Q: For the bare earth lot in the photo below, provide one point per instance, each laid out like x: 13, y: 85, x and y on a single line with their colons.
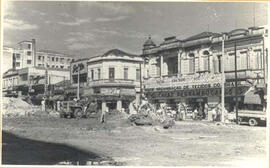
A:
x: 44, y: 140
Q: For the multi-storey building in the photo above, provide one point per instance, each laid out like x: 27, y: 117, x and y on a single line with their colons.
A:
x: 113, y: 79
x: 32, y: 80
x: 25, y: 54
x: 23, y: 65
x: 52, y: 59
x: 187, y: 73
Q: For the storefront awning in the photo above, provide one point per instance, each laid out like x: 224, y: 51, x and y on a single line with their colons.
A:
x: 252, y: 98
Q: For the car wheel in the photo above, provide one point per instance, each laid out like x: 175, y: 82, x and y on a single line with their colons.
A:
x: 78, y: 113
x: 252, y: 122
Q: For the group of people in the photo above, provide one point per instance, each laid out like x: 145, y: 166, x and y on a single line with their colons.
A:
x: 56, y: 105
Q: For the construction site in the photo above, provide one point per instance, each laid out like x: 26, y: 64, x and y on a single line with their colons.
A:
x: 145, y: 139
x: 122, y: 84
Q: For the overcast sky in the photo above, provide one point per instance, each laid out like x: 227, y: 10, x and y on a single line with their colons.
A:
x: 91, y: 28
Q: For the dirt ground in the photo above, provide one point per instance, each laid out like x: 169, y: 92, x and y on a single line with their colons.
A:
x: 50, y: 140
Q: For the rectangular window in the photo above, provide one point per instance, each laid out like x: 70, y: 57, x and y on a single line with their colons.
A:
x: 242, y: 60
x: 92, y: 74
x: 18, y: 56
x: 29, y: 53
x: 29, y: 46
x: 138, y: 74
x: 125, y: 73
x: 111, y: 73
x: 52, y: 66
x: 24, y: 77
x: 17, y: 64
x: 62, y: 67
x: 99, y: 74
x: 52, y: 58
x: 205, y: 66
x: 56, y: 59
x: 191, y: 66
x: 29, y: 61
x: 39, y: 57
x: 48, y: 66
x: 258, y: 60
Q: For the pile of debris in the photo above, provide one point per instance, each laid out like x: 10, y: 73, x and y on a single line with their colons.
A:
x: 147, y: 115
x: 14, y: 107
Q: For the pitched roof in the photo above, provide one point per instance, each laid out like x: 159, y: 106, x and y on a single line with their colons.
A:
x: 202, y: 35
x: 118, y: 52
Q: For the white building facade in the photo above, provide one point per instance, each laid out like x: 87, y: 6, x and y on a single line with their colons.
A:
x: 113, y: 79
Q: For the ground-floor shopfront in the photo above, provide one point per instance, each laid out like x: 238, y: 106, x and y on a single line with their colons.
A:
x: 203, y: 97
x: 112, y: 97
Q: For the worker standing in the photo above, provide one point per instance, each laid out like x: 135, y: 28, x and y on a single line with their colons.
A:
x: 43, y: 104
x: 102, y: 119
x: 58, y: 105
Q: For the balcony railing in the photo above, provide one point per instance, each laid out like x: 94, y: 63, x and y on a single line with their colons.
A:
x: 244, y: 74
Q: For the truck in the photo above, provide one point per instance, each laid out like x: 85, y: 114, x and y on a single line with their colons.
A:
x: 252, y: 117
x: 74, y: 109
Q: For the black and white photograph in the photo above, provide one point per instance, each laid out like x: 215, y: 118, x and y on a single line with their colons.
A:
x: 134, y: 83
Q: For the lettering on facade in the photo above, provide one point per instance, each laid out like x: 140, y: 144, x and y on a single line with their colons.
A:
x: 194, y: 93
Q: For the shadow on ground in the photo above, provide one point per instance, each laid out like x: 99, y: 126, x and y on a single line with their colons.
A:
x: 21, y: 151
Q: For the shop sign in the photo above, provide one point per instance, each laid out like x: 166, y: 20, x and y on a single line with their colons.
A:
x: 80, y: 67
x: 194, y: 81
x: 195, y: 93
x: 110, y: 91
x: 124, y: 91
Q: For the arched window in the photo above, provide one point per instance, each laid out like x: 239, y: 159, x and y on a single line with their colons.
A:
x: 205, y: 52
x: 191, y: 58
x: 205, y: 61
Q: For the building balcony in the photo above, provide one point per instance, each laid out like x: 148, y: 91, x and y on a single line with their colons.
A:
x: 112, y: 82
x: 245, y: 74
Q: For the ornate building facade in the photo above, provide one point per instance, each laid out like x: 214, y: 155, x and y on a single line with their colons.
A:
x: 188, y: 71
x: 113, y: 79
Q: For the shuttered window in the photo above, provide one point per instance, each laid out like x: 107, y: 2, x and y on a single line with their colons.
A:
x: 258, y: 59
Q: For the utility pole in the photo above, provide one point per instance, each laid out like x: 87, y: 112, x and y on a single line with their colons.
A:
x: 140, y: 83
x: 78, y: 86
x: 46, y: 82
x: 236, y: 85
x: 222, y: 82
